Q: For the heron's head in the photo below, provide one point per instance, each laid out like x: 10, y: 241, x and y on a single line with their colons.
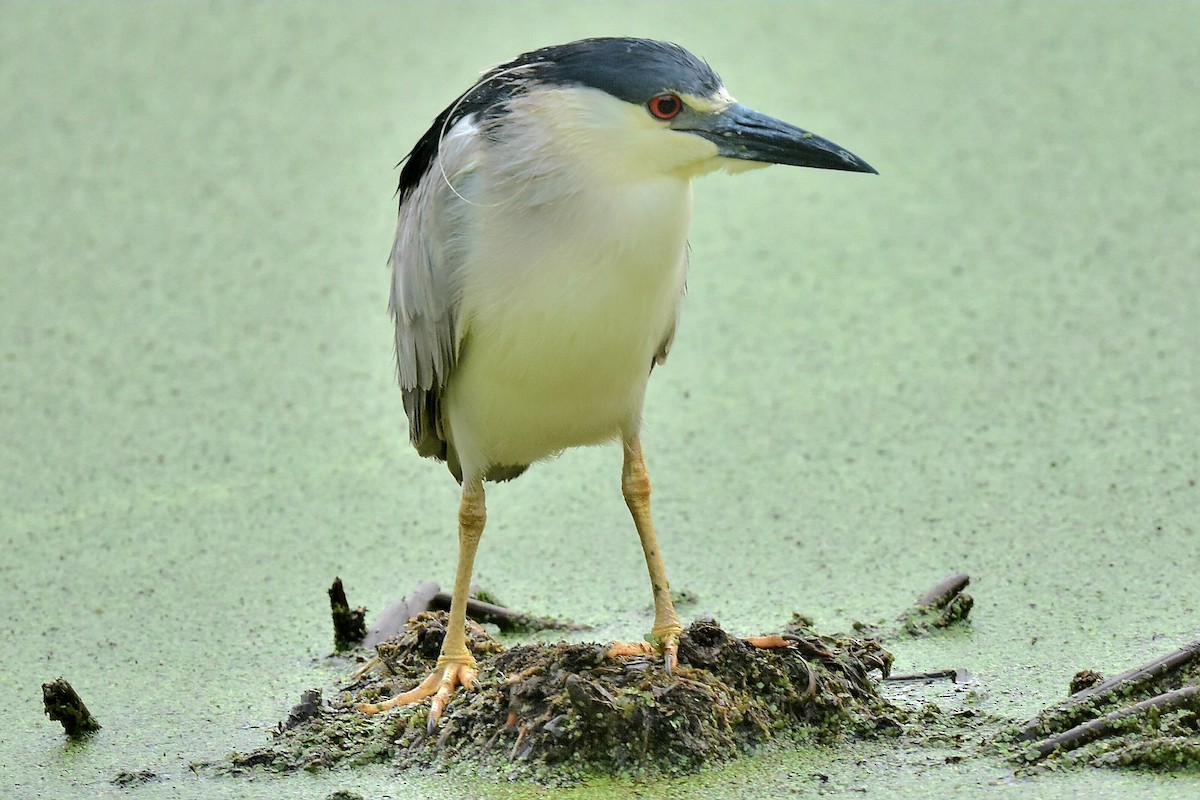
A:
x: 637, y: 107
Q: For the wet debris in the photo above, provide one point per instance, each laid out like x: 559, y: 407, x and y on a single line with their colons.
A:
x: 1084, y: 679
x: 349, y: 624
x: 1147, y: 717
x: 126, y: 778
x: 481, y: 607
x: 943, y: 606
x: 308, y: 707
x: 415, y: 650
x: 559, y: 712
x: 63, y: 705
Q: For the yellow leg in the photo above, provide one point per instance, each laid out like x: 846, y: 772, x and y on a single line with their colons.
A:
x: 455, y: 666
x: 635, y: 485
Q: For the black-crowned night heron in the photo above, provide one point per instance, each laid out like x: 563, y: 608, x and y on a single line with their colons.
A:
x: 538, y: 270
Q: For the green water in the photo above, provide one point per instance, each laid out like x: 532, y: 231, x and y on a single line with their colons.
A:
x: 986, y: 359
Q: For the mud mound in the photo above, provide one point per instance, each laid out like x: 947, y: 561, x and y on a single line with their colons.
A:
x: 558, y: 712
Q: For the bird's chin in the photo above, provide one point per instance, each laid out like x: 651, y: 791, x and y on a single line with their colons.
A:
x: 707, y: 166
x: 735, y: 165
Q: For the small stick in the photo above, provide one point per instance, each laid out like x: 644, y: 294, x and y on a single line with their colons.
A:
x: 1103, y: 726
x: 504, y: 618
x: 935, y: 675
x: 1148, y: 671
x: 393, y: 618
x: 1138, y: 675
x: 945, y: 591
x: 429, y: 597
x: 64, y: 705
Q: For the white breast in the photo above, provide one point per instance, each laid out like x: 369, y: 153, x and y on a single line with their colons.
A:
x: 562, y: 319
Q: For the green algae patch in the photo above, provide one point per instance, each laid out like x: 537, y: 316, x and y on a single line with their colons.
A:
x: 558, y: 713
x: 1147, y: 717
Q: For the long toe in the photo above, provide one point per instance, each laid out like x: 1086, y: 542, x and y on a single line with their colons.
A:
x: 670, y: 651
x: 768, y: 641
x: 666, y: 642
x: 453, y: 675
x: 622, y: 649
x: 427, y: 688
x: 440, y: 684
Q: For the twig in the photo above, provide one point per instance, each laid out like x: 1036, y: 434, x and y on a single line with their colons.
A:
x: 393, y: 618
x: 1109, y: 724
x: 935, y: 675
x: 1184, y: 656
x: 430, y: 597
x: 504, y: 618
x: 945, y: 591
x: 1146, y: 672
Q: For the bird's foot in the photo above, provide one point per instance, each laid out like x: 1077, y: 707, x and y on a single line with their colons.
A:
x: 448, y: 675
x: 663, y: 640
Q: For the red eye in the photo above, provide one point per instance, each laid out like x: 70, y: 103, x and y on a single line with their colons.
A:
x: 665, y: 106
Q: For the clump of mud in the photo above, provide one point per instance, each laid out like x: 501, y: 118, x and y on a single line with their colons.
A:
x: 64, y: 705
x: 559, y: 712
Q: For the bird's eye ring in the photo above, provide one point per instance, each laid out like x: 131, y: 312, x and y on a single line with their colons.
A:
x: 665, y: 106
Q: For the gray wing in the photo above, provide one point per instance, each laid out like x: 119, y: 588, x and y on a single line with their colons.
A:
x: 427, y: 257
x: 660, y: 356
